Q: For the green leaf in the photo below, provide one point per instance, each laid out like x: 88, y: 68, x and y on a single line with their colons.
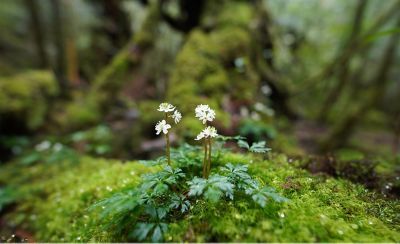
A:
x: 261, y: 196
x: 30, y: 158
x: 141, y: 230
x: 213, y: 194
x: 179, y: 201
x: 7, y: 196
x: 197, y: 186
x: 259, y: 147
x: 212, y: 188
x: 157, y: 234
x: 243, y: 144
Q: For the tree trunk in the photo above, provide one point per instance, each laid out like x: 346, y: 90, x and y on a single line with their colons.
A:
x: 396, y: 141
x: 119, y: 28
x: 280, y: 95
x: 343, y: 69
x: 340, y: 135
x: 72, y: 61
x: 59, y: 44
x: 357, y: 45
x: 37, y: 30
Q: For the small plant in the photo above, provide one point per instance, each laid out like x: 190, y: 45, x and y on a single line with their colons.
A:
x: 166, y: 196
x: 229, y: 180
x: 256, y: 147
x: 205, y: 114
x: 7, y: 196
x: 163, y: 126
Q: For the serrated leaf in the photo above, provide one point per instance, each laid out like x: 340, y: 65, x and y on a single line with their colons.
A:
x: 213, y: 194
x: 259, y: 147
x: 157, y: 234
x: 179, y: 201
x: 212, y: 188
x: 260, y: 198
x: 243, y: 144
x: 197, y: 186
x: 142, y: 230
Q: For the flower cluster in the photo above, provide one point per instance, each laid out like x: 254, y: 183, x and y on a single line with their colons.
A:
x: 204, y: 113
x: 163, y: 126
x: 166, y: 107
x: 208, y: 132
x: 177, y: 116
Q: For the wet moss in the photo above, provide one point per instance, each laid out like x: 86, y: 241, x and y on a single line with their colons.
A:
x: 54, y: 200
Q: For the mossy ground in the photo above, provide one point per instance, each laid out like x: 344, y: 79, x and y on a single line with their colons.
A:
x: 52, y: 202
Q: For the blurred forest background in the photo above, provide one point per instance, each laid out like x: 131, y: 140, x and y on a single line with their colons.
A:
x: 318, y: 80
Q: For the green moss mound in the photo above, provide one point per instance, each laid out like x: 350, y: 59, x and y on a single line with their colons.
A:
x: 25, y: 97
x: 53, y: 202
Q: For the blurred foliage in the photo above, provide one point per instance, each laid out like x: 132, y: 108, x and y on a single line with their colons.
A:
x: 26, y: 97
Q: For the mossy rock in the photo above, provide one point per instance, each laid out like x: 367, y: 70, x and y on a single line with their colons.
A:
x: 54, y: 200
x: 25, y: 97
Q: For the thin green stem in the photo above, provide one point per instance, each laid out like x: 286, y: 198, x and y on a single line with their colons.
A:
x: 209, y: 157
x: 205, y: 159
x: 167, y: 141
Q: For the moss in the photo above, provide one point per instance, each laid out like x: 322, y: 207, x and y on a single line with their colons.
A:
x: 82, y: 111
x: 25, y: 96
x: 238, y: 14
x: 53, y: 199
x: 321, y: 209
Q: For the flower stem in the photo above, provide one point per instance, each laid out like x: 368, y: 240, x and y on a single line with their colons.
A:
x: 205, y: 159
x: 209, y: 157
x: 167, y: 141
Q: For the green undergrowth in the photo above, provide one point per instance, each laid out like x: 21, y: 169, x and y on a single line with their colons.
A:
x: 55, y: 203
x: 25, y: 97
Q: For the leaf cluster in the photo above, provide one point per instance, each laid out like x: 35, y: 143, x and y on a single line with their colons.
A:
x: 231, y: 180
x: 147, y: 208
x: 256, y: 147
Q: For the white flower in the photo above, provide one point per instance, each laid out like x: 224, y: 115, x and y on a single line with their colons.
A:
x: 200, y: 136
x: 204, y: 113
x: 202, y: 108
x: 177, y: 116
x: 43, y: 146
x: 57, y: 147
x: 209, y: 131
x: 162, y: 126
x: 166, y: 107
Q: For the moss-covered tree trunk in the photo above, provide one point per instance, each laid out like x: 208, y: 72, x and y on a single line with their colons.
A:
x: 110, y: 80
x: 340, y: 134
x: 38, y: 33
